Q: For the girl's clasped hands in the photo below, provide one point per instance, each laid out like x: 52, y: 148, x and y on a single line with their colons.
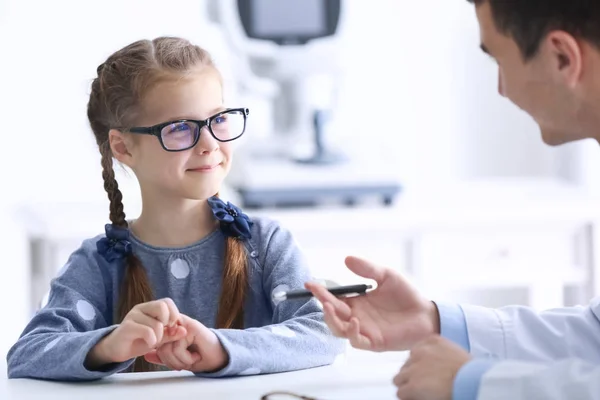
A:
x: 164, y: 336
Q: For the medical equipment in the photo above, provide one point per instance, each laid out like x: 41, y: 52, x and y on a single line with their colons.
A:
x: 288, y: 52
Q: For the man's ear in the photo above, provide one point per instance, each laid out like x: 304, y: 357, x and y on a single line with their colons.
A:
x: 120, y: 146
x: 567, y: 56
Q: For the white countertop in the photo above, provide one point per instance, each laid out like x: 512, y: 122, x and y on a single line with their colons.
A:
x: 371, y: 379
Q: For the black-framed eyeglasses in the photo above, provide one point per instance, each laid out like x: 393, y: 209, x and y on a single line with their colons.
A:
x: 285, y: 396
x: 184, y: 134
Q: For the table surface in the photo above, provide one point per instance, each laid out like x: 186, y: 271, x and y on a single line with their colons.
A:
x: 346, y: 380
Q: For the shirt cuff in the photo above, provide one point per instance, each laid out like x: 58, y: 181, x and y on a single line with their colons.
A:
x: 468, y: 380
x: 453, y: 325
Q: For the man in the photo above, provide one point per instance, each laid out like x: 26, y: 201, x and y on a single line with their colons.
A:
x: 548, y: 56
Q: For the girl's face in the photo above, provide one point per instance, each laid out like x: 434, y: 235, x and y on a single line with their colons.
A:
x: 195, y: 173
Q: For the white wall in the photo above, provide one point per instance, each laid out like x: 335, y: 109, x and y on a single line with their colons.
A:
x: 433, y: 97
x: 54, y: 49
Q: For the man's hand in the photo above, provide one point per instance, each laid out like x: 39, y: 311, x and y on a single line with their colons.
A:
x: 199, y: 351
x: 392, y: 317
x: 430, y: 370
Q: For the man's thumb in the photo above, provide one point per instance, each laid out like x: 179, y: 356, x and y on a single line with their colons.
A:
x: 365, y: 268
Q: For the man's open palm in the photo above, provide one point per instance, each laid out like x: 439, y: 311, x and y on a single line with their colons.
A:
x: 394, y: 316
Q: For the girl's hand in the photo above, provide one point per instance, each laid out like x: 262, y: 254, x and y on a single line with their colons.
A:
x: 146, y: 327
x: 199, y: 351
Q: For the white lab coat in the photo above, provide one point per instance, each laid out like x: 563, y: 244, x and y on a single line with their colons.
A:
x: 550, y: 355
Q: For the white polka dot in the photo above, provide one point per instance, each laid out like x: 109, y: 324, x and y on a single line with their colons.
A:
x: 250, y: 371
x: 52, y: 343
x: 278, y: 289
x: 85, y: 310
x: 282, y: 331
x: 180, y: 268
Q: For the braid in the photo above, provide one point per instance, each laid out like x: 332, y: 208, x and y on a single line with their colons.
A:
x: 135, y: 287
x: 117, y: 215
x: 235, y: 282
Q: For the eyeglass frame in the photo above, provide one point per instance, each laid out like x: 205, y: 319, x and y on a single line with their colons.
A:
x: 155, y: 130
x: 285, y: 393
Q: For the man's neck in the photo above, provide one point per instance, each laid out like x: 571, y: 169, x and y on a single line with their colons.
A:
x: 593, y: 108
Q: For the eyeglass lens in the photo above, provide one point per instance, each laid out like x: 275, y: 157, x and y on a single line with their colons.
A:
x: 182, y: 135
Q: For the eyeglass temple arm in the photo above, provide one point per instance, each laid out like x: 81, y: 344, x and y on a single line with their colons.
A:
x: 266, y: 396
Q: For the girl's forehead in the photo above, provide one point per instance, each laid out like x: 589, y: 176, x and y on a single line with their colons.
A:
x: 194, y: 96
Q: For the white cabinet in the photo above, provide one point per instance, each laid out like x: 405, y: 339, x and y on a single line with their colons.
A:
x: 542, y: 259
x: 537, y: 237
x: 488, y: 237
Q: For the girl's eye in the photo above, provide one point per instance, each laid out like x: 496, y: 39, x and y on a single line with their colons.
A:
x: 220, y: 119
x: 179, y: 128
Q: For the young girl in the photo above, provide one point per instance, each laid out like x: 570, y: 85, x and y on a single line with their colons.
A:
x: 157, y: 107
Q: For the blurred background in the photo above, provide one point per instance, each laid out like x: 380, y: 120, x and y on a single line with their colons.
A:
x: 375, y: 130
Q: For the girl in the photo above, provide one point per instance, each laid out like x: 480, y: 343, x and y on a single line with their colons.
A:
x: 157, y: 107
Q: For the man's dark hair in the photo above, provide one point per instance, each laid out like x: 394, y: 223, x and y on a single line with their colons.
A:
x: 529, y: 21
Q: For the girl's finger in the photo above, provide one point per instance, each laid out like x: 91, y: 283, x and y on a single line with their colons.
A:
x: 154, y: 324
x: 180, y: 350
x: 166, y: 355
x: 153, y: 358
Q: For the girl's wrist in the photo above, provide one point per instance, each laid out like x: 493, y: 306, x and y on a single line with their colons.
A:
x: 98, y: 357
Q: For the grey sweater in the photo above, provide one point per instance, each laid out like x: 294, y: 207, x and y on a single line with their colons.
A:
x: 280, y: 337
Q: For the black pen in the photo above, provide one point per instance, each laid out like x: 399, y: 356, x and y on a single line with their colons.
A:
x: 336, y: 291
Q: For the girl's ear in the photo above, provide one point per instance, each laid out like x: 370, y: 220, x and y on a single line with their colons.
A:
x: 120, y: 146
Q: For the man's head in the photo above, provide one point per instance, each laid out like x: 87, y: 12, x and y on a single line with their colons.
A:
x: 548, y: 55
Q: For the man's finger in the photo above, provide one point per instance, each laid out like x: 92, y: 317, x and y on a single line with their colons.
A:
x: 325, y: 296
x: 336, y: 325
x: 405, y: 392
x: 358, y: 340
x: 410, y: 361
x: 402, y: 377
x: 365, y: 268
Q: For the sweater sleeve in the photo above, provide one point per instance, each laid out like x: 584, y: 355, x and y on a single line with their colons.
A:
x: 297, y: 337
x: 55, y: 343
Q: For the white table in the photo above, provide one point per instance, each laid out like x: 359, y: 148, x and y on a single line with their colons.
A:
x: 344, y: 381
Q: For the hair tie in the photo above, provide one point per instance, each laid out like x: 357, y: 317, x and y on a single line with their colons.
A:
x: 232, y: 220
x: 116, y: 244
